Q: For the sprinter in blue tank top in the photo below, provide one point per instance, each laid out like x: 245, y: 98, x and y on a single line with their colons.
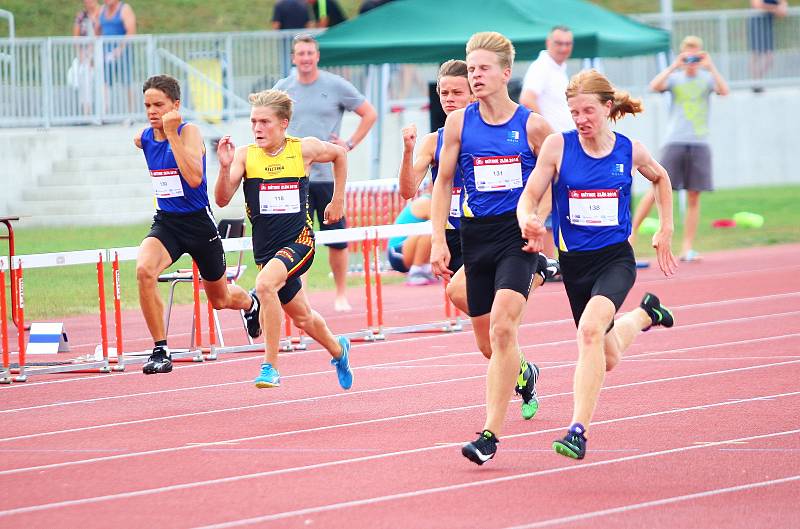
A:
x: 493, y: 143
x: 591, y: 171
x: 183, y: 222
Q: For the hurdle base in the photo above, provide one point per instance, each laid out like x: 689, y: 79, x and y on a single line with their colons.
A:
x: 83, y: 367
x: 439, y: 326
x: 5, y: 377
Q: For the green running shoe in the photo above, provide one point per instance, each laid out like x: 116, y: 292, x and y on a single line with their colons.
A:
x: 659, y: 314
x: 526, y: 388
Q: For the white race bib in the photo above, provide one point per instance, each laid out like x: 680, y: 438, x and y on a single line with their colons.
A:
x: 167, y: 183
x: 497, y: 173
x: 455, y: 202
x: 594, y: 207
x: 279, y: 199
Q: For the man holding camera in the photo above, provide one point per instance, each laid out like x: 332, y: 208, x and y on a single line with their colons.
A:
x: 686, y: 156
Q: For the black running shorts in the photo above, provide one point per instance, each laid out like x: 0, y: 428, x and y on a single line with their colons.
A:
x: 297, y: 258
x: 494, y: 260
x: 193, y: 233
x: 453, y: 239
x: 319, y: 196
x: 608, y: 272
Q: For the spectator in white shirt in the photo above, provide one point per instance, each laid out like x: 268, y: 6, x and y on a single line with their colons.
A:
x: 544, y: 91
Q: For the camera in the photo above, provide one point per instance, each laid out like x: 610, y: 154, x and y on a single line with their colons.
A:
x: 691, y: 59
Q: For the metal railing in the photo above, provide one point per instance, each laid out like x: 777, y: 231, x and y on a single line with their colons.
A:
x: 67, y: 81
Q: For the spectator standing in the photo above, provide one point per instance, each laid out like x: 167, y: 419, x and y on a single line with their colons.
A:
x: 690, y: 79
x: 320, y: 100
x: 761, y: 36
x: 118, y: 19
x: 85, y: 25
x: 543, y: 91
x: 291, y: 14
x: 327, y: 13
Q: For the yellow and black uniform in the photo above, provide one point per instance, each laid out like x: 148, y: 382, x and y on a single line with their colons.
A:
x: 276, y: 196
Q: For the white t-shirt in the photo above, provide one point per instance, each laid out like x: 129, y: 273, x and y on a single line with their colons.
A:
x: 548, y: 80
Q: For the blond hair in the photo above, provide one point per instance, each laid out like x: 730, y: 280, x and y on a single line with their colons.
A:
x: 452, y: 68
x: 494, y: 42
x: 593, y: 82
x: 278, y: 100
x: 691, y: 41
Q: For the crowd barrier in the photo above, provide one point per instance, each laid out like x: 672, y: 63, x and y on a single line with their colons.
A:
x: 370, y: 239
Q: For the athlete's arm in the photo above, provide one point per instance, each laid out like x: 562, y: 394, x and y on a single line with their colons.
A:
x: 442, y: 192
x: 317, y: 151
x: 528, y: 99
x: 187, y: 147
x: 413, y: 171
x: 137, y: 140
x: 538, y: 130
x: 231, y: 170
x: 662, y: 189
x: 540, y: 180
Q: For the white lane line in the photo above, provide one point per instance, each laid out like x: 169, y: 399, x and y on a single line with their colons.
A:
x: 317, y: 466
x: 405, y: 386
x: 466, y: 331
x: 655, y: 503
x: 342, y: 425
x: 468, y: 485
x: 524, y: 347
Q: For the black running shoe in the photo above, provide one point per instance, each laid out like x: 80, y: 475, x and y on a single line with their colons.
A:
x: 159, y: 361
x: 659, y: 314
x: 482, y: 449
x: 526, y: 388
x: 573, y: 444
x: 549, y: 269
x: 251, y: 317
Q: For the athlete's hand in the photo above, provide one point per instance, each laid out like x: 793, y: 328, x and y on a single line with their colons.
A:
x: 171, y: 120
x: 334, y: 211
x: 440, y: 260
x: 409, y: 137
x: 662, y: 242
x: 225, y: 151
x: 533, y: 231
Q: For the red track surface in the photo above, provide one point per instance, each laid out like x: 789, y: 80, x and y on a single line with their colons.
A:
x: 697, y: 427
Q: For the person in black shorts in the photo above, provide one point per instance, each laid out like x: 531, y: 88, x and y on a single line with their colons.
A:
x: 183, y: 223
x: 591, y: 173
x: 273, y: 172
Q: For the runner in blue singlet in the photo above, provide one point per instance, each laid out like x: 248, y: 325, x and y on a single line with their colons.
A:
x: 591, y: 171
x: 493, y: 142
x: 183, y: 222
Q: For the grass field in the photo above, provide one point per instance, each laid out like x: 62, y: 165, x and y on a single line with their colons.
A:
x: 54, y: 17
x: 72, y: 289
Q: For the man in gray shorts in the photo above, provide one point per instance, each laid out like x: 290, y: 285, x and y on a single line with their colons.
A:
x: 686, y: 156
x: 320, y: 99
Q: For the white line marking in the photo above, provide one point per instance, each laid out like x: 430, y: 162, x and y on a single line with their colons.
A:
x: 449, y: 488
x: 655, y: 503
x: 416, y: 338
x: 404, y: 386
x: 316, y: 466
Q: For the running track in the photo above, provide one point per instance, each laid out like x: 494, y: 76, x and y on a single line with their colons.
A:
x: 697, y: 427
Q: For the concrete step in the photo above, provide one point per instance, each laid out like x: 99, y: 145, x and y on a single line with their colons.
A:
x: 113, y: 176
x: 84, y: 219
x: 99, y: 147
x: 75, y: 193
x: 109, y: 207
x: 101, y: 163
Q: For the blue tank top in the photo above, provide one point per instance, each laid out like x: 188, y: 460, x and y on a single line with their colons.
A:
x: 457, y: 199
x: 173, y: 193
x: 592, y: 196
x: 110, y: 27
x: 495, y: 161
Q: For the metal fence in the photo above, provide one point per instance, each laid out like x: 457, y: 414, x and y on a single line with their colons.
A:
x: 68, y: 81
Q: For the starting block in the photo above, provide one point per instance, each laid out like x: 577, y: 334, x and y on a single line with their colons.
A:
x: 47, y: 338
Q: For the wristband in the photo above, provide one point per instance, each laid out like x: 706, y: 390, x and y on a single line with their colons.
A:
x: 349, y: 145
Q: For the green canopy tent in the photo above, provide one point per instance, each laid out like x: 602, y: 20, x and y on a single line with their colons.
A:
x: 425, y: 31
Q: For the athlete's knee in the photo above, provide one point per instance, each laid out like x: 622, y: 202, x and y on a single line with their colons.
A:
x: 590, y: 334
x: 502, y: 334
x: 266, y: 288
x: 146, y: 274
x: 457, y: 295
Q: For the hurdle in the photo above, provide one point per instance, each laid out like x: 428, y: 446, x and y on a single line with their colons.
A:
x: 124, y: 358
x: 49, y: 260
x: 5, y: 370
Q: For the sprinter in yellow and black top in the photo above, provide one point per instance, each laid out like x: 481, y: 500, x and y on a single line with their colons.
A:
x: 275, y: 173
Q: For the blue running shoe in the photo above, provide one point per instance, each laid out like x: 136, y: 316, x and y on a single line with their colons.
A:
x: 573, y: 444
x: 269, y: 377
x: 342, y: 364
